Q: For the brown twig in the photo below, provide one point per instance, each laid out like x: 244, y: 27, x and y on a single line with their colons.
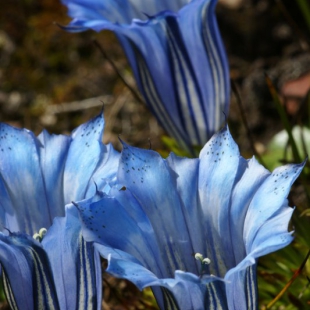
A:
x: 110, y: 61
x: 290, y: 282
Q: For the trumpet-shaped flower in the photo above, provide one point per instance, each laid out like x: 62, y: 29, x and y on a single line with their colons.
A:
x: 177, y: 57
x: 61, y: 272
x: 38, y: 176
x: 192, y: 229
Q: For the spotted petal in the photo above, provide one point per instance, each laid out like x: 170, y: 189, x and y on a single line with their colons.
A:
x: 74, y: 263
x: 62, y: 272
x: 21, y: 174
x: 38, y: 176
x: 229, y: 209
x: 86, y: 150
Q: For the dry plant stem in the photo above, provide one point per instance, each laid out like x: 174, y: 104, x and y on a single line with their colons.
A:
x: 111, y: 115
x: 289, y: 283
x: 245, y: 123
x: 110, y: 61
x: 67, y: 107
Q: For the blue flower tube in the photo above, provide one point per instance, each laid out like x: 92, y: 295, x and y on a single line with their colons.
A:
x: 57, y: 268
x: 192, y: 229
x: 177, y: 57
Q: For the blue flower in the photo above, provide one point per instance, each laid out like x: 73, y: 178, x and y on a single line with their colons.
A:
x: 38, y: 177
x: 61, y: 272
x: 192, y: 229
x: 176, y: 54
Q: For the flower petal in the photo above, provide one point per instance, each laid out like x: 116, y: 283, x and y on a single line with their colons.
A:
x: 269, y: 201
x: 265, y: 231
x: 199, y: 29
x: 7, y: 211
x: 28, y: 280
x: 143, y: 171
x: 105, y: 171
x: 53, y: 154
x: 19, y: 155
x: 137, y: 42
x: 131, y: 271
x: 241, y: 288
x: 119, y: 12
x: 86, y: 150
x: 187, y: 54
x: 75, y: 264
x: 107, y: 222
x: 188, y: 290
x: 219, y: 165
x: 242, y: 195
x: 265, y: 242
x: 186, y: 171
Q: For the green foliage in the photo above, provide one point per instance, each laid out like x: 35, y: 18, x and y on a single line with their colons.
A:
x: 275, y: 270
x: 172, y: 146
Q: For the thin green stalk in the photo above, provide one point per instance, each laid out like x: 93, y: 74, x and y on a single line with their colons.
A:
x: 305, y: 10
x: 283, y: 117
x: 308, y: 106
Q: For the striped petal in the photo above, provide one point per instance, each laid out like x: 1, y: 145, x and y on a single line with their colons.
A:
x: 27, y: 276
x: 75, y: 264
x: 241, y: 288
x: 63, y: 272
x: 38, y: 176
x: 185, y: 291
x: 176, y: 55
x: 195, y: 93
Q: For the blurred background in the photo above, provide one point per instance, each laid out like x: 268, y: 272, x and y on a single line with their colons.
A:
x: 57, y: 80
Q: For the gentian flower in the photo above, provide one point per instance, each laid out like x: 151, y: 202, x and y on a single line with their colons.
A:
x: 38, y: 177
x: 177, y: 57
x: 61, y: 272
x: 192, y: 229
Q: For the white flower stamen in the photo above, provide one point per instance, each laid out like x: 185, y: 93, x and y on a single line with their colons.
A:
x: 204, y: 261
x: 37, y: 237
x: 40, y: 235
x: 42, y: 232
x: 198, y: 256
